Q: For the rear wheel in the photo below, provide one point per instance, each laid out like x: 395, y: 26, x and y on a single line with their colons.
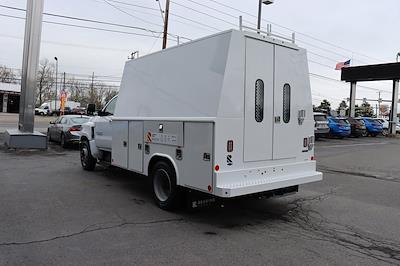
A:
x: 87, y: 160
x: 165, y: 190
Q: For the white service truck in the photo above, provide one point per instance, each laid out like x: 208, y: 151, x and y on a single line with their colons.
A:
x: 227, y: 115
x: 52, y: 107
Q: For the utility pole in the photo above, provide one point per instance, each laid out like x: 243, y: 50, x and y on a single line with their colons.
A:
x: 64, y: 83
x: 166, y: 25
x: 92, y: 89
x: 55, y: 96
x: 379, y: 105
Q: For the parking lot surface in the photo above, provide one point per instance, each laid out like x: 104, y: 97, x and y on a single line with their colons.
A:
x: 53, y: 212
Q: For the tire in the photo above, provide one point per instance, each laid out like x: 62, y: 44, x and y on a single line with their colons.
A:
x: 63, y: 142
x: 87, y: 160
x: 165, y: 190
x: 374, y: 135
x: 364, y: 134
x: 385, y: 132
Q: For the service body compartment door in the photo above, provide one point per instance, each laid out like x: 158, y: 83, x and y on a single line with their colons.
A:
x: 288, y: 77
x: 197, y: 157
x: 135, y: 146
x: 119, y: 151
x: 259, y: 82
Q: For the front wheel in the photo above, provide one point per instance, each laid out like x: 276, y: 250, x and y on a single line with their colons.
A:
x: 165, y: 190
x: 385, y: 132
x: 87, y: 160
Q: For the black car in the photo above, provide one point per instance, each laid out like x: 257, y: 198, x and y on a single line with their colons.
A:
x: 358, y: 128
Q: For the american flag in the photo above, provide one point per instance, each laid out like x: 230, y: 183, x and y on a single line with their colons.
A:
x: 341, y: 65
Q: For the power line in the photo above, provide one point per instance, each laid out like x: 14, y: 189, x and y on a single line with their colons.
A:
x: 87, y: 27
x: 129, y: 14
x: 92, y: 21
x: 200, y: 12
x: 304, y: 34
x: 342, y: 82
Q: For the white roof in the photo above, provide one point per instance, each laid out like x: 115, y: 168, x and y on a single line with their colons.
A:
x: 10, y: 87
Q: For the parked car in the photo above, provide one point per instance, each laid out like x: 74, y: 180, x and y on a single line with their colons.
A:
x: 374, y: 127
x: 321, y: 127
x: 385, y: 126
x: 66, y: 129
x: 358, y: 128
x: 339, y: 127
x: 79, y: 111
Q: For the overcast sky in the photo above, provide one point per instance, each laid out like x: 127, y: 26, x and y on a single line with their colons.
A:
x: 365, y: 31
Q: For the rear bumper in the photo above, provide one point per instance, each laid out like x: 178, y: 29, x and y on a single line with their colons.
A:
x: 321, y: 131
x: 375, y: 130
x: 342, y: 133
x: 254, y: 183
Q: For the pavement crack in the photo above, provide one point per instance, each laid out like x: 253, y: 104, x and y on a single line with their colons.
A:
x: 379, y: 177
x: 320, y: 229
x: 90, y: 229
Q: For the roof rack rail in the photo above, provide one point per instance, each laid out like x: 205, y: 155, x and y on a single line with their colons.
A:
x: 269, y: 33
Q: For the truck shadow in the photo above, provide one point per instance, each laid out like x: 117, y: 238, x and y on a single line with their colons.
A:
x: 228, y: 214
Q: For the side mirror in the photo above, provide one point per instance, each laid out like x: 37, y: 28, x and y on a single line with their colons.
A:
x: 91, y: 108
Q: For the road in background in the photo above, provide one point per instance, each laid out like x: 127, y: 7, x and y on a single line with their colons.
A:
x: 11, y: 121
x: 53, y: 212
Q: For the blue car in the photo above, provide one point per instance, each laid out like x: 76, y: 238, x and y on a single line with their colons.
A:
x: 374, y: 127
x: 339, y: 127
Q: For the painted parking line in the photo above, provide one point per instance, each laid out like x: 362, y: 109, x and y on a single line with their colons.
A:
x: 351, y: 145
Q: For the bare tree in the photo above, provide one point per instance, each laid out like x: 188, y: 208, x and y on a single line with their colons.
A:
x: 7, y: 75
x: 45, y: 82
x: 76, y: 90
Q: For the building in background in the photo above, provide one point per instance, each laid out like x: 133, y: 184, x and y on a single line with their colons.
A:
x: 9, y: 97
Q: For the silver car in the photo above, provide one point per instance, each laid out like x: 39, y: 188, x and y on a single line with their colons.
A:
x: 66, y: 129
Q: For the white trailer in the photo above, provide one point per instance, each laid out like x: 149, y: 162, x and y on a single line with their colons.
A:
x: 228, y: 115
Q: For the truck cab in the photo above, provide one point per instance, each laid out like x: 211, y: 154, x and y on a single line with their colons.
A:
x: 230, y: 115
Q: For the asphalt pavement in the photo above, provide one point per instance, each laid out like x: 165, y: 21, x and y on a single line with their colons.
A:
x: 53, y: 212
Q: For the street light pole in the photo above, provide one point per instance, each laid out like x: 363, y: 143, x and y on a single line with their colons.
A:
x: 397, y: 57
x: 259, y: 14
x: 266, y: 2
x: 55, y: 100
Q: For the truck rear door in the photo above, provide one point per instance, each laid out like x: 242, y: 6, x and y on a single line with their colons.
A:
x: 287, y: 86
x: 259, y: 83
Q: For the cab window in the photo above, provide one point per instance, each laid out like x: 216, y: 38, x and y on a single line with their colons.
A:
x: 110, y: 108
